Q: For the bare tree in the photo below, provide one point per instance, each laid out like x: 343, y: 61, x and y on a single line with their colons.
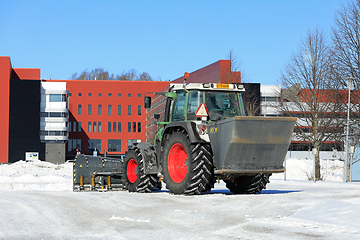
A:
x: 312, y: 95
x: 231, y: 74
x: 101, y: 74
x: 346, y: 47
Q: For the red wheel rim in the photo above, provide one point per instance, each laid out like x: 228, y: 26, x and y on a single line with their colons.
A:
x: 130, y: 170
x: 177, y: 163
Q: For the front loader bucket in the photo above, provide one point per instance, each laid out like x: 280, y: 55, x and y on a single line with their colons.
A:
x: 250, y: 144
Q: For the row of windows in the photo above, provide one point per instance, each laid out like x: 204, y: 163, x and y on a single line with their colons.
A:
x: 308, y: 147
x: 114, y: 145
x: 270, y: 99
x: 54, y: 114
x: 75, y: 126
x: 99, y: 110
x: 112, y: 127
x: 53, y: 133
x: 134, y: 127
x: 100, y: 95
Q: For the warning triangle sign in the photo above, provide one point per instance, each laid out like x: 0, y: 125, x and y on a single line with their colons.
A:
x: 202, y: 111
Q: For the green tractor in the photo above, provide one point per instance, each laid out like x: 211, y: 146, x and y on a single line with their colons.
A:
x: 207, y: 137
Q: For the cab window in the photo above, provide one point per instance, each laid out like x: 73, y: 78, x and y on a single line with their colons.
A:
x: 195, y: 98
x: 178, y: 107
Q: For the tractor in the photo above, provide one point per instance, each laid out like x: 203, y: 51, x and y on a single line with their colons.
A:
x: 205, y: 137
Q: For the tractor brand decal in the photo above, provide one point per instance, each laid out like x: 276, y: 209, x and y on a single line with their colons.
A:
x: 213, y: 130
x: 222, y: 85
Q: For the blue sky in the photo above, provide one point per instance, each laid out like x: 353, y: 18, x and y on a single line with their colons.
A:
x: 163, y: 38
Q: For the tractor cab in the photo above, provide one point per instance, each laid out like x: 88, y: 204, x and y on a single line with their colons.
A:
x: 220, y: 101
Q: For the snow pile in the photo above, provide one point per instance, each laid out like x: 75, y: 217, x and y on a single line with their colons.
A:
x: 39, y: 175
x: 36, y: 175
x: 304, y: 170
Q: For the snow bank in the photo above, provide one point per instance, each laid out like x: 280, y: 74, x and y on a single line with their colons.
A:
x: 39, y: 175
x: 304, y: 170
x: 36, y: 175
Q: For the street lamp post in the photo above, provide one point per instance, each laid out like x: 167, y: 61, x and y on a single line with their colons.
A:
x: 349, y: 86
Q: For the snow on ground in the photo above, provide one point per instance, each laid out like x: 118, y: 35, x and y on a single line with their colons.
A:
x: 37, y: 202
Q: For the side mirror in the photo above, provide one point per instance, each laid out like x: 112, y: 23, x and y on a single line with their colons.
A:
x: 147, y: 102
x: 157, y: 116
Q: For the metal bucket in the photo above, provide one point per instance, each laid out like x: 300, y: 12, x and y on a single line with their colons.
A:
x: 250, y: 144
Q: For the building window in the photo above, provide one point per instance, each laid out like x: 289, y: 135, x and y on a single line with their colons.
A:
x: 89, y: 109
x: 109, y: 126
x: 109, y: 94
x: 94, y: 126
x: 70, y: 94
x: 79, y: 109
x: 79, y: 126
x: 89, y: 126
x: 129, y: 95
x: 119, y: 126
x: 94, y: 144
x: 74, y: 144
x: 114, y: 126
x: 132, y: 142
x: 139, y: 95
x: 55, y: 114
x: 139, y: 126
x: 74, y: 127
x: 69, y: 126
x: 114, y: 145
x: 119, y: 94
x: 129, y: 126
x: 90, y: 94
x: 57, y: 98
x: 119, y: 110
x: 79, y: 94
x: 139, y: 110
x: 134, y: 126
x: 99, y: 126
x: 129, y: 110
x: 99, y: 109
x: 109, y: 109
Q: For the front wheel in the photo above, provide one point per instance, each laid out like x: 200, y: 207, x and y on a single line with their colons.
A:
x: 186, y: 167
x: 134, y: 178
x: 248, y: 184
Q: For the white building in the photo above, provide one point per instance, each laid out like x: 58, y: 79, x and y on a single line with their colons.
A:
x: 54, y: 120
x: 270, y: 100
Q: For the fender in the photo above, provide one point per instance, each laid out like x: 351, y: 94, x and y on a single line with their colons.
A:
x: 188, y: 126
x: 148, y: 153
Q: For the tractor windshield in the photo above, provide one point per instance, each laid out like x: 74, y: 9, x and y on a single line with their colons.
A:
x: 223, y: 104
x: 220, y: 104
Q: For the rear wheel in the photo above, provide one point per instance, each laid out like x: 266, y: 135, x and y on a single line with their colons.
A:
x: 134, y: 178
x: 186, y: 167
x: 248, y: 184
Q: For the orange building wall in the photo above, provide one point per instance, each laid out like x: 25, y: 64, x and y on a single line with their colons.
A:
x: 217, y: 72
x: 5, y: 72
x: 114, y: 88
x: 26, y: 73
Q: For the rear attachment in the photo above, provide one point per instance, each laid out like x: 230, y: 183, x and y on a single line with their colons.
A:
x: 250, y: 145
x: 96, y: 173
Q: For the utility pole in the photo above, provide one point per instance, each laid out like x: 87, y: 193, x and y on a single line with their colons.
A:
x: 349, y: 86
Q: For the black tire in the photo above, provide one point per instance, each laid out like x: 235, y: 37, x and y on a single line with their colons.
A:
x: 134, y: 178
x: 186, y: 167
x: 248, y: 184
